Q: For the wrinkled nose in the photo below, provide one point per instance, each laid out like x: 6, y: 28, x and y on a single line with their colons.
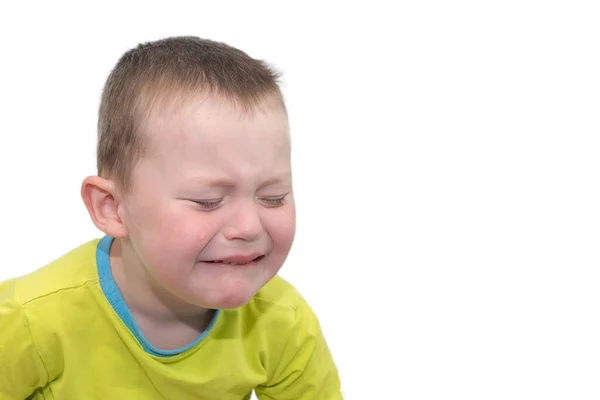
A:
x: 245, y: 224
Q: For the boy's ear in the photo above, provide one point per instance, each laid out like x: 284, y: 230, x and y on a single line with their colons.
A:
x: 99, y: 196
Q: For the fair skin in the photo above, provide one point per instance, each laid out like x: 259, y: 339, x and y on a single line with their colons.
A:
x: 214, y: 183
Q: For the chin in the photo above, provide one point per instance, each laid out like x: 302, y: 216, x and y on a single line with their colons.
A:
x: 232, y: 300
x: 231, y: 304
x: 233, y: 296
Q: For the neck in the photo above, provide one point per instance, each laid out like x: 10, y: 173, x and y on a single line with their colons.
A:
x: 145, y: 298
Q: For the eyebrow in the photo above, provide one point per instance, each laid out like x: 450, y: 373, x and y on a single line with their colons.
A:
x: 229, y: 184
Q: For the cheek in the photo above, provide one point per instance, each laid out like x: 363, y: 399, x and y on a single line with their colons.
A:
x: 187, y: 233
x: 282, y: 229
x: 171, y: 235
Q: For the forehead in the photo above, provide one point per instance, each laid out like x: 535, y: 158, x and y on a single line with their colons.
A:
x: 204, y: 136
x: 205, y: 117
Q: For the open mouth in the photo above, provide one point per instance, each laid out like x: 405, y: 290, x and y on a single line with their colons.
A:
x: 255, y: 260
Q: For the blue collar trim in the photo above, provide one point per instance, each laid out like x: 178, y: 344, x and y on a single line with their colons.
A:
x: 114, y: 297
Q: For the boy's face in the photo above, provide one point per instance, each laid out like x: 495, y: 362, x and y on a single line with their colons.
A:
x: 213, y: 185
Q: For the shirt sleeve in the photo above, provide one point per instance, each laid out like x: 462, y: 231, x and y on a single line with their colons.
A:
x: 306, y: 370
x: 21, y: 368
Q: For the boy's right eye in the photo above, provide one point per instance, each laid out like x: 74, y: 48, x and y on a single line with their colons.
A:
x: 208, y: 204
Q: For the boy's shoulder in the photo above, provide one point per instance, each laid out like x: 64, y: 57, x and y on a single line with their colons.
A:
x: 72, y: 270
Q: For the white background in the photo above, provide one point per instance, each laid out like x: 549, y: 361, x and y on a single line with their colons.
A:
x: 447, y: 168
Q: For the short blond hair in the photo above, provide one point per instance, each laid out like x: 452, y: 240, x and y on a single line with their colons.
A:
x: 174, y: 66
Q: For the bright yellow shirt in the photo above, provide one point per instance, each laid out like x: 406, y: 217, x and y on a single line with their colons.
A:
x: 62, y: 336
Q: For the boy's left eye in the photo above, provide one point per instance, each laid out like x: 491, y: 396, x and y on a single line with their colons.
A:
x: 274, y: 201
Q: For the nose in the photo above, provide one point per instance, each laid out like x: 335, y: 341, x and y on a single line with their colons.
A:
x: 245, y: 223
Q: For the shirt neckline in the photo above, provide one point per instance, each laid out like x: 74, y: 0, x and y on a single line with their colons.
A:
x: 113, y: 295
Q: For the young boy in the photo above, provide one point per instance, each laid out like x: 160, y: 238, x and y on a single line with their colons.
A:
x: 180, y: 300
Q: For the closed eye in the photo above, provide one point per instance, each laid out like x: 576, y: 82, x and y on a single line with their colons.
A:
x: 208, y: 205
x: 274, y: 201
